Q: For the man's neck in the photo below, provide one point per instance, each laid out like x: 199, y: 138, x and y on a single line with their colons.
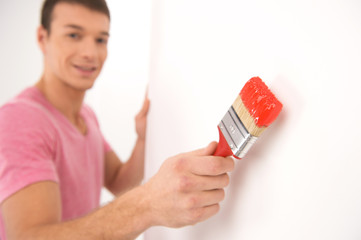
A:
x: 63, y: 97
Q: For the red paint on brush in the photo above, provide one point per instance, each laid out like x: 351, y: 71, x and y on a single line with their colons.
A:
x: 261, y: 103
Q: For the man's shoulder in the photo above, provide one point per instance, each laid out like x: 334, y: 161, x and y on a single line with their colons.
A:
x: 21, y: 112
x: 24, y: 125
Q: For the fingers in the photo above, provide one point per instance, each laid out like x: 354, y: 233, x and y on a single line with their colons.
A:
x: 188, y: 187
x: 141, y: 119
x: 211, y: 148
x: 194, y: 183
x: 207, y: 151
x: 145, y: 108
x: 204, y: 199
x: 202, y: 206
x: 211, y: 166
x: 204, y: 213
x: 210, y: 183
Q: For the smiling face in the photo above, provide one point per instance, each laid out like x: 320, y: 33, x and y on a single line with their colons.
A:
x: 76, y: 47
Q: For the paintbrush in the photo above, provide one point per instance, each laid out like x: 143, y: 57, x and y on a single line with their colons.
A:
x: 254, y: 109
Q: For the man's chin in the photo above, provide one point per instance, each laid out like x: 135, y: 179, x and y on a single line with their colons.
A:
x: 81, y: 87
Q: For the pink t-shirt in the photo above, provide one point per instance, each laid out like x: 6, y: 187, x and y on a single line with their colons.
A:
x: 38, y: 143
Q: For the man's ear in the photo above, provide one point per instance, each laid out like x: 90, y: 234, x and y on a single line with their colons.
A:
x: 42, y: 37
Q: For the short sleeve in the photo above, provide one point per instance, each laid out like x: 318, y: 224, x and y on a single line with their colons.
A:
x: 27, y: 143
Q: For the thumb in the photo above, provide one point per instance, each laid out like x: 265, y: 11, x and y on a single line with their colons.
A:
x: 211, y: 148
x: 207, y: 151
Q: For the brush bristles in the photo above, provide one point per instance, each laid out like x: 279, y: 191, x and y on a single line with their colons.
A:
x: 246, y: 118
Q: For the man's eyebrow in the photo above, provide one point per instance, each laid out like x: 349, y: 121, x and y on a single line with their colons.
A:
x: 77, y: 27
x: 74, y: 26
x: 105, y: 33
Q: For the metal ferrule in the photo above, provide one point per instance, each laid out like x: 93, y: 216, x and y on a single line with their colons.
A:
x: 236, y: 134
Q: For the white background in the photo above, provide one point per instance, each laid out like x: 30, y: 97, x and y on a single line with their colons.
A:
x: 302, y: 179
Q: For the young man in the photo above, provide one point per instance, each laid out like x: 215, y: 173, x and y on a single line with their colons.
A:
x: 54, y: 159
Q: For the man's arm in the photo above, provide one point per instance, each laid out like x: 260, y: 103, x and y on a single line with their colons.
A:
x: 186, y: 190
x: 121, y: 177
x: 34, y: 213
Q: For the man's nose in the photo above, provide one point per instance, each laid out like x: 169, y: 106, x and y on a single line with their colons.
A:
x: 89, y: 49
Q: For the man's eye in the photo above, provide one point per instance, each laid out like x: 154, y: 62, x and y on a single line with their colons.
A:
x: 73, y: 35
x: 101, y: 40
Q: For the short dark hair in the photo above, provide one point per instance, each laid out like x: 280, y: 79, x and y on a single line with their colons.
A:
x: 48, y: 7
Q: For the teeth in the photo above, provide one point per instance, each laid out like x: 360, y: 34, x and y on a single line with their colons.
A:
x: 86, y: 68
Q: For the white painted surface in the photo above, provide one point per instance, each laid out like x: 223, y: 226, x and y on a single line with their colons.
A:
x: 302, y: 179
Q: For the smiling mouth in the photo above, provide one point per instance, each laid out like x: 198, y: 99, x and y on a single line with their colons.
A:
x: 86, y: 69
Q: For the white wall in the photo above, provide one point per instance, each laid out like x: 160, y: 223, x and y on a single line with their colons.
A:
x: 120, y: 89
x: 20, y: 58
x: 302, y: 179
x: 119, y: 92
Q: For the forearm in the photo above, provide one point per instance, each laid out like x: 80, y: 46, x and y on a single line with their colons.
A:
x: 134, y: 167
x: 131, y: 173
x: 125, y: 218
